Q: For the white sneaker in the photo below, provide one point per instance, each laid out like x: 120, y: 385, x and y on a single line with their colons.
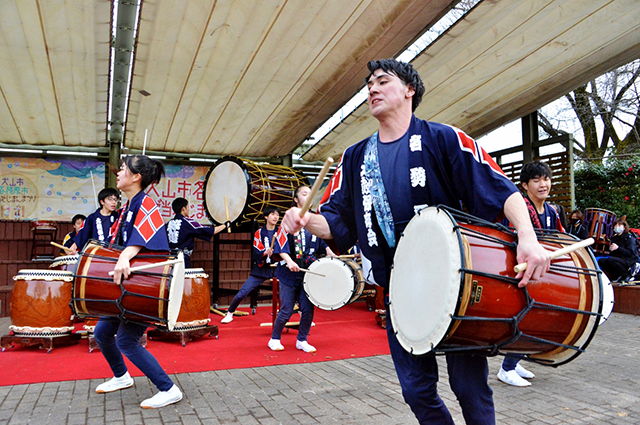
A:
x: 163, y: 398
x: 115, y: 384
x: 275, y: 345
x: 228, y: 318
x: 305, y: 346
x: 524, y: 373
x: 512, y: 378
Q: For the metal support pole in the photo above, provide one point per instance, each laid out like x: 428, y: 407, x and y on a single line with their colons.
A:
x: 530, y: 137
x: 114, y: 164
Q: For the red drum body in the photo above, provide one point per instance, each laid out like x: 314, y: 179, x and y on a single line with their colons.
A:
x: 453, y: 288
x: 599, y: 223
x: 248, y: 188
x: 65, y: 263
x: 333, y: 282
x: 40, y: 303
x: 196, y: 301
x: 152, y: 296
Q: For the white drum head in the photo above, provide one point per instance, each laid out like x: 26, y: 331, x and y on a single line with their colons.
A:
x: 175, y: 292
x: 227, y: 178
x: 335, y: 289
x: 425, y: 281
x: 607, y: 298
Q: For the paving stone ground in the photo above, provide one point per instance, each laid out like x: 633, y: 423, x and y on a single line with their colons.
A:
x: 600, y: 387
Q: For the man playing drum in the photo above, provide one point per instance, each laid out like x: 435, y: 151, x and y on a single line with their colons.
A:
x: 139, y: 226
x: 535, y: 178
x: 261, y: 252
x: 181, y: 230
x: 298, y: 250
x: 98, y: 224
x: 375, y: 191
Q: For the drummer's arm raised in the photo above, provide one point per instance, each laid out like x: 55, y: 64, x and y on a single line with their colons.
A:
x: 315, y: 223
x: 123, y: 267
x: 529, y: 250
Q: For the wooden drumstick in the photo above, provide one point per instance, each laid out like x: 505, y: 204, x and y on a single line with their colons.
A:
x: 151, y: 266
x: 57, y: 245
x: 555, y: 254
x: 309, y: 271
x: 316, y: 186
x: 226, y: 208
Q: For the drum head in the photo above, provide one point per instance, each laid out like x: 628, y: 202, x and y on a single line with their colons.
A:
x: 175, y: 292
x: 229, y: 178
x: 335, y: 289
x: 425, y: 280
x: 607, y: 298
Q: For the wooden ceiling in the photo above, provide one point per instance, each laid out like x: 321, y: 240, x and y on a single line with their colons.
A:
x: 506, y: 59
x: 257, y: 77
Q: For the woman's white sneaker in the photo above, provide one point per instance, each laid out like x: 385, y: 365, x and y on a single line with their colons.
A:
x: 228, y: 318
x: 163, y: 398
x: 115, y: 384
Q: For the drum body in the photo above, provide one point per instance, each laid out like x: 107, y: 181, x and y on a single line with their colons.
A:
x: 333, y: 282
x: 40, y: 303
x: 152, y: 296
x: 65, y: 263
x: 453, y: 288
x: 599, y: 223
x: 248, y: 187
x: 196, y: 301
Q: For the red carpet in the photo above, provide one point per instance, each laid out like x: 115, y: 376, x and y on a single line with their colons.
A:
x: 348, y: 332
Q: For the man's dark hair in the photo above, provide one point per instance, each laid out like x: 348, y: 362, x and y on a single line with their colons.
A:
x: 295, y: 193
x: 534, y: 170
x: 178, y: 204
x: 105, y: 193
x: 269, y: 209
x: 402, y: 70
x: 78, y: 217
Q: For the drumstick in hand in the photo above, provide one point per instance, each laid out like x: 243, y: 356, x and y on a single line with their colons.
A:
x: 309, y: 271
x: 152, y: 265
x: 57, y: 245
x: 316, y: 186
x: 555, y: 254
x: 226, y: 208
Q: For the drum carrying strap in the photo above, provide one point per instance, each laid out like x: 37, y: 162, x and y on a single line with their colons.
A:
x: 378, y: 193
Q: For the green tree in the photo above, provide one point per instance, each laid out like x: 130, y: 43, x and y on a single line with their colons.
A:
x: 612, y: 185
x: 605, y: 110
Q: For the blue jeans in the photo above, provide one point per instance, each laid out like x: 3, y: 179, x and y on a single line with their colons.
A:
x: 249, y: 285
x: 511, y: 361
x: 288, y: 295
x: 418, y: 376
x: 127, y: 342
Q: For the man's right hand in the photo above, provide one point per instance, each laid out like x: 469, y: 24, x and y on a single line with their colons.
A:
x: 292, y: 221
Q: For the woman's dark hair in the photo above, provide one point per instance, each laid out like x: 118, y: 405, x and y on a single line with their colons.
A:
x: 534, y: 170
x: 402, y: 70
x: 150, y: 169
x: 295, y: 194
x: 178, y: 204
x: 577, y: 213
x: 624, y: 223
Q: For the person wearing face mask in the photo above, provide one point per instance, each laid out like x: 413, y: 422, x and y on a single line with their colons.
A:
x: 576, y: 225
x: 623, y: 255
